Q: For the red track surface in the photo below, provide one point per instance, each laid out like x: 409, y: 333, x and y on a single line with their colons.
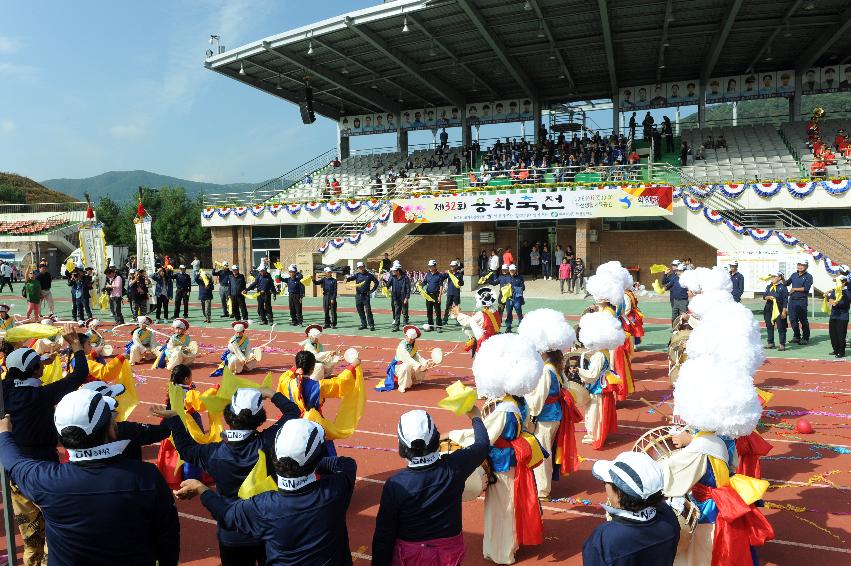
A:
x: 798, y: 385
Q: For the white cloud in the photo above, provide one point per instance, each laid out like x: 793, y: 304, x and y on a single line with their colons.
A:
x: 127, y: 131
x: 9, y: 45
x: 17, y: 72
x: 7, y: 126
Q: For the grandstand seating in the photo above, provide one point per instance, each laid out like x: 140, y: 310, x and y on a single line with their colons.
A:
x: 752, y: 152
x: 796, y: 135
x: 31, y: 227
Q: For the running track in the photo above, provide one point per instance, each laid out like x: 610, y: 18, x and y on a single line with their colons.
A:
x: 818, y: 533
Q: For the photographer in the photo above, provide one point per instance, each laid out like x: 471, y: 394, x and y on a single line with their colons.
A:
x: 78, y: 295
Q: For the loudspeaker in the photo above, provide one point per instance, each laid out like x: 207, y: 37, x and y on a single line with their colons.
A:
x: 307, y: 115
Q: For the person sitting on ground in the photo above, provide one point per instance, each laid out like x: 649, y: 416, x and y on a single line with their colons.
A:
x: 304, y: 520
x: 643, y: 528
x: 419, y: 519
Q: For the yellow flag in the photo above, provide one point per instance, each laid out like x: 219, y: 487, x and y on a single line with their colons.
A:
x: 103, y: 301
x: 203, y: 275
x: 69, y: 265
x: 52, y: 372
x: 658, y: 288
x: 485, y: 277
x: 459, y: 398
x: 258, y: 480
x: 128, y: 400
x: 385, y: 291
x: 31, y: 330
x: 454, y: 279
x: 775, y: 310
x: 349, y: 411
x: 422, y: 292
x: 252, y: 295
x: 505, y: 293
x: 307, y: 280
x: 658, y: 268
x: 278, y: 265
x: 177, y: 398
x: 230, y: 304
x: 766, y: 278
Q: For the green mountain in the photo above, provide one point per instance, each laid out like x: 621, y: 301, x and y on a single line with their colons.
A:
x: 121, y: 185
x: 15, y: 189
x: 773, y: 110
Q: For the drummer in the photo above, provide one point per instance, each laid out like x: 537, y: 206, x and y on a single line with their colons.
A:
x: 239, y: 356
x: 6, y: 321
x: 408, y: 367
x: 178, y: 349
x: 325, y: 361
x: 419, y: 518
x: 141, y: 345
x: 96, y: 340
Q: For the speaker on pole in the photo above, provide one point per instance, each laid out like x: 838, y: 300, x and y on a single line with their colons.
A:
x: 307, y: 115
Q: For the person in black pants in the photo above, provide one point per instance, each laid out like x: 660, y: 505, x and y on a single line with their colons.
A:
x: 776, y: 309
x: 329, y: 297
x: 183, y: 285
x: 400, y: 294
x: 838, y: 323
x: 365, y: 285
x: 433, y: 283
x: 88, y: 284
x: 236, y: 286
x: 799, y: 285
x: 224, y: 283
x: 455, y: 280
x: 205, y: 294
x: 266, y: 286
x: 295, y: 288
x: 164, y: 291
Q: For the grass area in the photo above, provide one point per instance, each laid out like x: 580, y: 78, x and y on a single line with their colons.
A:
x: 656, y: 337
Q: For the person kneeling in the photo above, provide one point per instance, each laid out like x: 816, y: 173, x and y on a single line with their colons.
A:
x: 304, y: 521
x: 419, y: 519
x: 643, y: 527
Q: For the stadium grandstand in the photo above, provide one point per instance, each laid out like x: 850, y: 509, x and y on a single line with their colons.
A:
x: 758, y: 193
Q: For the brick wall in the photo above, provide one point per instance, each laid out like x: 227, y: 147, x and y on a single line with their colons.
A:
x: 232, y: 244
x: 415, y: 251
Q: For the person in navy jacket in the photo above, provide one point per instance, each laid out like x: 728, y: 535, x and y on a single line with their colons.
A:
x: 420, y: 511
x: 678, y: 293
x: 182, y: 286
x: 329, y: 297
x: 230, y: 461
x: 515, y: 300
x: 295, y: 289
x: 400, y: 294
x: 643, y: 527
x: 101, y: 508
x: 738, y: 281
x: 838, y: 323
x: 304, y: 522
x: 776, y: 294
x: 205, y: 295
x: 266, y: 286
x: 453, y: 292
x: 365, y: 285
x: 433, y: 283
x: 224, y: 286
x: 799, y: 285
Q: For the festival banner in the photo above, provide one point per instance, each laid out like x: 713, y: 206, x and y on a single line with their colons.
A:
x: 144, y: 245
x: 610, y: 202
x: 93, y: 249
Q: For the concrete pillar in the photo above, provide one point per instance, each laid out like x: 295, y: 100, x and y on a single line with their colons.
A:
x: 701, y: 105
x: 677, y: 121
x: 616, y: 112
x: 583, y: 241
x: 466, y: 130
x: 795, y: 101
x: 523, y: 130
x: 472, y: 247
x: 343, y: 147
x: 735, y: 113
x: 537, y: 118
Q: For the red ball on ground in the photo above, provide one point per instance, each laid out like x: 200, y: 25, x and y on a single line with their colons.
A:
x: 804, y: 426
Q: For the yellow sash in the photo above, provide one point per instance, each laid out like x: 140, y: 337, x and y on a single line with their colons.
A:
x: 422, y: 292
x: 7, y: 323
x: 177, y: 398
x: 775, y: 310
x: 505, y: 293
x: 658, y: 287
x: 484, y: 278
x: 657, y: 268
x: 454, y: 279
x: 837, y: 296
x: 203, y: 275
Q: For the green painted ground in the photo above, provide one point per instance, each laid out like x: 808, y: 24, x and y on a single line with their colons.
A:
x: 656, y: 337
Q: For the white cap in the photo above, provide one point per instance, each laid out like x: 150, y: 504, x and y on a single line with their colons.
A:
x: 634, y: 473
x: 224, y: 264
x: 234, y: 267
x: 262, y: 267
x: 454, y: 263
x: 182, y: 266
x: 314, y: 333
x: 299, y: 439
x: 734, y: 264
x: 326, y: 270
x: 432, y: 262
x: 246, y: 398
x: 804, y: 262
x: 112, y: 390
x: 396, y: 265
x: 415, y: 425
x: 512, y: 267
x: 239, y: 327
x: 83, y: 408
x: 22, y: 359
x: 293, y: 267
x: 676, y: 262
x: 778, y: 274
x: 144, y: 319
x: 842, y: 278
x: 359, y: 264
x: 505, y: 266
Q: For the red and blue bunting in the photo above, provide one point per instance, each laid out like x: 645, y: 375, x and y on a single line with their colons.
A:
x: 712, y: 215
x: 353, y: 205
x: 323, y: 248
x: 275, y: 208
x: 223, y: 212
x: 787, y: 239
x: 765, y: 190
x: 801, y: 190
x: 692, y: 203
x: 701, y: 191
x: 333, y: 206
x: 836, y: 186
x: 293, y: 208
x: 678, y: 193
x: 831, y: 266
x: 735, y: 227
x: 354, y: 238
x: 759, y: 234
x: 338, y: 242
x: 370, y: 228
x: 208, y: 212
x: 240, y: 211
x: 374, y: 204
x: 384, y: 215
x: 257, y: 210
x: 313, y: 206
x: 733, y: 190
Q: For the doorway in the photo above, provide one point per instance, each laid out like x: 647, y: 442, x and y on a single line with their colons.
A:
x: 530, y: 233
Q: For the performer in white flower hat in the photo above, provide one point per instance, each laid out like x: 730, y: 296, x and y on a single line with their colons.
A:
x: 96, y: 339
x: 552, y: 407
x: 141, y: 345
x: 326, y: 361
x: 408, y: 367
x: 179, y: 349
x: 240, y: 356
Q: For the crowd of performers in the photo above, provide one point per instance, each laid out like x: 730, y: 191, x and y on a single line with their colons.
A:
x: 689, y: 493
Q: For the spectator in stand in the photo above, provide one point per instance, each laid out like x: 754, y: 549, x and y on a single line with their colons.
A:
x: 546, y: 262
x: 668, y: 132
x: 684, y: 154
x: 507, y: 256
x: 32, y: 293
x: 564, y: 273
x: 535, y: 262
x: 657, y: 144
x: 632, y: 126
x: 647, y: 123
x: 45, y: 279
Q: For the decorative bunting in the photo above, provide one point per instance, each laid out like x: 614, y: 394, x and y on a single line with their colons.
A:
x: 223, y: 212
x: 831, y: 266
x: 384, y: 215
x: 374, y: 204
x: 765, y: 190
x: 836, y: 186
x: 208, y: 212
x: 275, y: 208
x: 760, y: 235
x: 787, y: 239
x: 712, y: 215
x: 240, y: 211
x: 323, y: 248
x: 333, y: 206
x: 257, y: 210
x: 701, y: 191
x: 735, y: 227
x: 801, y: 190
x: 354, y: 237
x: 313, y: 206
x: 732, y: 190
x: 370, y: 228
x: 692, y: 203
x: 338, y: 242
x: 293, y: 208
x: 353, y: 205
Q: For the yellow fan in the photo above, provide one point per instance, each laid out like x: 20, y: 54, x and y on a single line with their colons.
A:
x: 459, y: 398
x: 657, y: 268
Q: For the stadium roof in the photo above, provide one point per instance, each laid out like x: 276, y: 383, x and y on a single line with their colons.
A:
x: 458, y: 51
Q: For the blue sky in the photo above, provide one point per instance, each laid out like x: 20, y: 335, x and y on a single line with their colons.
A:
x: 94, y: 86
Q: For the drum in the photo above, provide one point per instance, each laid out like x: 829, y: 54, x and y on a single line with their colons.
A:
x: 257, y: 352
x: 580, y: 394
x: 677, y: 353
x: 477, y: 482
x: 658, y: 444
x: 106, y: 351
